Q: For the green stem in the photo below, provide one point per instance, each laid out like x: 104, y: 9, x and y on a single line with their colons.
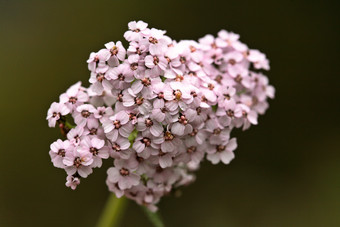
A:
x: 154, y: 217
x: 112, y: 212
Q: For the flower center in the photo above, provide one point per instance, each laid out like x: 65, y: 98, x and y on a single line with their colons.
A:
x: 168, y: 136
x: 148, y: 122
x: 153, y: 40
x: 77, y: 162
x: 146, y: 141
x: 134, y: 66
x: 121, y: 77
x: 177, y: 94
x: 114, y: 50
x: 100, y: 77
x: 72, y: 100
x: 139, y: 100
x: 116, y: 147
x: 117, y: 124
x: 230, y: 113
x: 85, y: 113
x: 220, y: 148
x: 124, y: 172
x: 94, y: 151
x: 183, y: 120
x: 155, y: 60
x: 61, y: 152
x: 191, y: 149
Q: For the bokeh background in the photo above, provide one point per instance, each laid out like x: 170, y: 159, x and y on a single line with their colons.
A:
x: 287, y: 169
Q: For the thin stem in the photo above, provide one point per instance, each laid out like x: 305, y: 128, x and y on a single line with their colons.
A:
x: 154, y: 217
x: 112, y: 212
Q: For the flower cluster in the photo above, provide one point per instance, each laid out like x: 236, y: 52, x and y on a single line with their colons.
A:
x: 158, y: 108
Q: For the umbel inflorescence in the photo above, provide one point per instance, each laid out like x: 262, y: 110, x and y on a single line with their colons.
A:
x: 157, y: 109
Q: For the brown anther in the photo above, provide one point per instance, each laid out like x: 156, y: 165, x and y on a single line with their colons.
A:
x: 213, y: 45
x: 211, y: 86
x: 191, y: 149
x: 230, y: 113
x: 204, y: 99
x: 199, y: 110
x: 94, y: 151
x: 100, y: 77
x: 194, y: 132
x: 218, y: 79
x: 55, y: 114
x: 238, y: 78
x: 244, y: 113
x: 114, y: 50
x: 155, y: 60
x: 168, y: 136
x: 182, y: 119
x: 217, y: 131
x: 121, y: 77
x: 116, y: 147
x: 146, y: 141
x: 72, y: 100
x: 191, y: 73
x: 138, y: 51
x: 194, y: 94
x: 182, y: 60
x: 179, y: 78
x: 220, y: 148
x: 136, y: 30
x: 146, y: 82
x: 132, y: 116
x: 163, y: 109
x: 120, y: 97
x: 77, y: 162
x: 139, y: 100
x: 148, y: 122
x: 61, y: 152
x: 153, y: 40
x: 227, y: 96
x: 117, y: 124
x: 178, y: 94
x: 160, y: 95
x: 85, y: 113
x: 192, y: 49
x: 93, y: 131
x: 168, y: 59
x: 232, y: 62
x: 134, y: 66
x: 124, y: 172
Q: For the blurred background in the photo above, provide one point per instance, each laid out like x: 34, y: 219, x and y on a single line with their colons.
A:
x: 287, y: 169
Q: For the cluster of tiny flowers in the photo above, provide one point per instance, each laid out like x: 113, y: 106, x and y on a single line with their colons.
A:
x: 158, y: 108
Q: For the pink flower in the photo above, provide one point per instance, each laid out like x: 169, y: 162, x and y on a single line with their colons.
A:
x: 74, y: 96
x: 117, y: 125
x: 72, y: 182
x: 58, y: 152
x: 137, y: 30
x: 123, y: 174
x: 55, y: 112
x: 84, y: 114
x: 117, y: 51
x: 224, y: 152
x: 96, y: 147
x: 78, y: 162
x: 97, y: 61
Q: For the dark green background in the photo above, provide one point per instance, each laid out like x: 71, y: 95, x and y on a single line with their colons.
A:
x: 287, y: 169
